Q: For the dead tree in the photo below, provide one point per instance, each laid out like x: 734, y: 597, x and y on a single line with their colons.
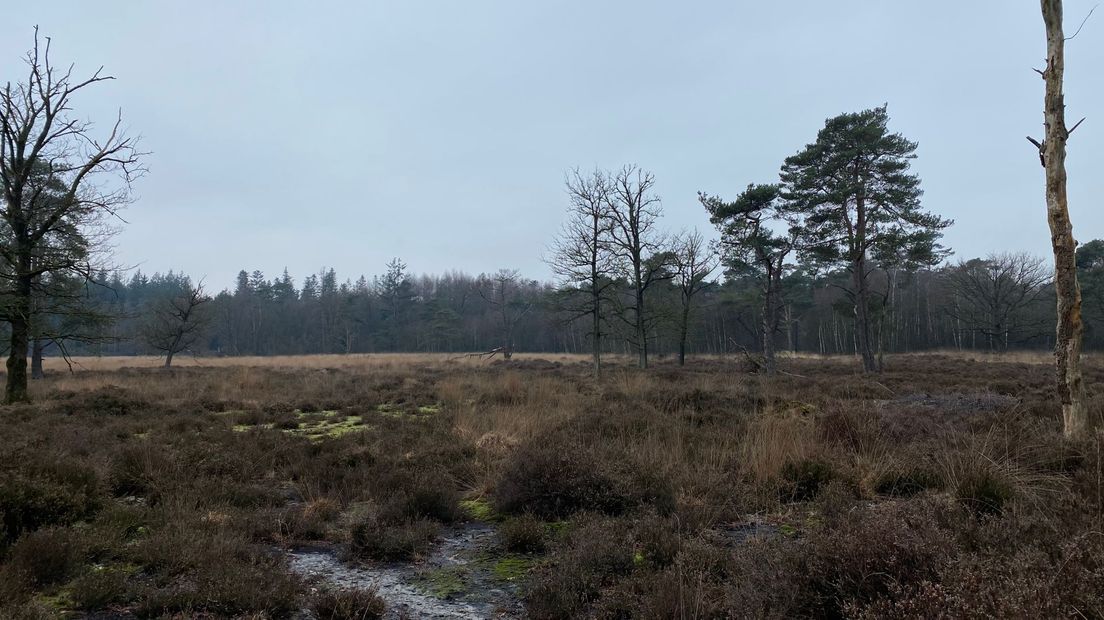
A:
x: 45, y: 231
x: 581, y: 257
x: 175, y: 324
x: 693, y: 262
x: 1052, y: 154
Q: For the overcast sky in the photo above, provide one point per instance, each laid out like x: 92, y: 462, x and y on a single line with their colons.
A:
x: 311, y: 134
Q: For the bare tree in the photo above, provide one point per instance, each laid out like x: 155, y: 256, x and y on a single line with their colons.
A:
x: 996, y: 296
x: 1052, y: 153
x: 693, y: 262
x: 638, y: 246
x: 503, y: 292
x: 42, y: 147
x: 175, y: 324
x: 581, y: 257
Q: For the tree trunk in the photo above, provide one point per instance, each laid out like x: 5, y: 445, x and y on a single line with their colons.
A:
x: 1067, y: 349
x: 862, y: 317
x: 169, y: 359
x: 16, y: 388
x: 36, y: 359
x: 641, y: 332
x: 769, y: 322
x: 684, y: 329
x: 596, y: 335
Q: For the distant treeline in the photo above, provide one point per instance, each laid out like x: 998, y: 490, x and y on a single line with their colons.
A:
x: 997, y: 303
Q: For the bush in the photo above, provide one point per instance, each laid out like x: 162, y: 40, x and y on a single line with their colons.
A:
x: 906, y: 482
x: 378, y: 539
x: 596, y: 554
x: 434, y: 500
x: 984, y: 492
x: 44, y: 557
x: 28, y: 502
x: 348, y: 604
x: 804, y: 479
x: 524, y: 534
x: 105, y: 401
x: 862, y: 555
x: 200, y: 568
x: 99, y: 588
x: 141, y: 470
x: 552, y: 480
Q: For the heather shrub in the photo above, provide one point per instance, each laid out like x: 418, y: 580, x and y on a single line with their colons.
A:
x: 552, y: 480
x: 347, y: 604
x: 523, y: 534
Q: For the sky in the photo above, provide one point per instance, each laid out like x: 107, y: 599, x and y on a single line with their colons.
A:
x: 342, y: 134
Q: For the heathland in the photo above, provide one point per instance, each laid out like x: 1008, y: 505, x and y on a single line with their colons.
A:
x: 942, y: 487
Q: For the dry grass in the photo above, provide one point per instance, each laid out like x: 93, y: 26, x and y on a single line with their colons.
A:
x: 128, y: 466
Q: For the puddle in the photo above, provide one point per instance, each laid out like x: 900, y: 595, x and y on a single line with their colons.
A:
x: 457, y: 580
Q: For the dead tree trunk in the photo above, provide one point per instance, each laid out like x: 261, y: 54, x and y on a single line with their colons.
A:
x: 1052, y: 151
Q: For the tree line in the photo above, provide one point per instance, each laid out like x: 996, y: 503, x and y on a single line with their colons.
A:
x: 997, y: 303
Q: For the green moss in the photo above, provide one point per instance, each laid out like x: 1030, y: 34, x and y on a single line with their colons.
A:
x: 557, y: 528
x: 513, y: 567
x: 395, y: 410
x: 328, y: 427
x: 479, y: 509
x: 444, y: 583
x: 316, y: 426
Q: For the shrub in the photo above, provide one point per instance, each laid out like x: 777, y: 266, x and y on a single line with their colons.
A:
x: 596, y: 554
x: 552, y: 480
x: 434, y: 499
x: 105, y: 401
x: 99, y: 588
x: 348, y: 604
x: 28, y: 503
x: 804, y: 479
x: 44, y: 557
x: 371, y: 537
x: 906, y: 482
x: 859, y: 558
x: 524, y: 534
x: 198, y: 568
x: 984, y: 492
x: 141, y: 470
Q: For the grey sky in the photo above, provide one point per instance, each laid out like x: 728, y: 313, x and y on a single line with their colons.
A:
x: 345, y: 133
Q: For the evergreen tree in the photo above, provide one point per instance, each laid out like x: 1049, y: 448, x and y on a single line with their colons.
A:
x: 857, y: 198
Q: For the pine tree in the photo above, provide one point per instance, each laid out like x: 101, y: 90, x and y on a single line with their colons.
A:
x: 857, y: 200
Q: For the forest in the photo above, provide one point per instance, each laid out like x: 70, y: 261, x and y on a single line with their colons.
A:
x: 997, y: 303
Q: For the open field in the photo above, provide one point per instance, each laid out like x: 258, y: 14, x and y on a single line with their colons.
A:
x: 244, y: 487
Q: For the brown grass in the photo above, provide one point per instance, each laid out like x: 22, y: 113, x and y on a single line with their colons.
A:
x: 182, y: 482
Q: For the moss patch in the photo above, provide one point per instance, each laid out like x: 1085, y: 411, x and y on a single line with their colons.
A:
x: 444, y: 583
x: 479, y: 509
x: 315, y: 426
x: 513, y: 567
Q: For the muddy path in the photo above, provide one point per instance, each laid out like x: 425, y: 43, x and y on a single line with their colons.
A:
x: 463, y: 577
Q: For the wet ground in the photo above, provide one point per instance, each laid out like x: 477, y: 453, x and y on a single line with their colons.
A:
x: 463, y: 577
